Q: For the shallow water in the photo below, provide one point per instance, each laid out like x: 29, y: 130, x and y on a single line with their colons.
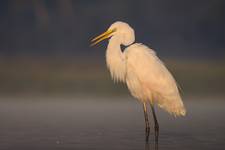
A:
x: 115, y: 124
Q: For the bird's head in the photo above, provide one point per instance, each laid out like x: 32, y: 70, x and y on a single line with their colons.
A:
x: 121, y: 30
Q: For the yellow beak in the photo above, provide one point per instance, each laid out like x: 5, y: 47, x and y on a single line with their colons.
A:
x: 102, y: 37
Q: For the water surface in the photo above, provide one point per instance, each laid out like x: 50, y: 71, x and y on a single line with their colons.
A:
x: 112, y: 124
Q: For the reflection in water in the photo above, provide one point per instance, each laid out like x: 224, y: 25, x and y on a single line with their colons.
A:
x: 157, y: 142
x: 147, y: 146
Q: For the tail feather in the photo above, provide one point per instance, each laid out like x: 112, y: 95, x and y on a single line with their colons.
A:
x: 173, y: 105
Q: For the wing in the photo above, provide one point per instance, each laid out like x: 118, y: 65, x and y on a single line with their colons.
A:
x: 148, y: 78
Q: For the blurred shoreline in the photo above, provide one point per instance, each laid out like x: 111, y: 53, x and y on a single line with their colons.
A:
x: 61, y: 76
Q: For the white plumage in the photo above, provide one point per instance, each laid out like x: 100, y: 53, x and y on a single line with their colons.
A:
x: 138, y: 66
x: 153, y: 83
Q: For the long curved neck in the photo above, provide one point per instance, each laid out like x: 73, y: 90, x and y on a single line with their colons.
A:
x: 115, y: 60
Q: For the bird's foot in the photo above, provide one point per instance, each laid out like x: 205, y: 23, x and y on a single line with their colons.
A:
x: 147, y: 131
x: 156, y: 133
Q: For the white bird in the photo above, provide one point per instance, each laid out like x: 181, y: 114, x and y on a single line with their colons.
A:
x: 146, y: 77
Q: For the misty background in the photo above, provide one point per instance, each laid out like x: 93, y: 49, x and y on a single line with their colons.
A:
x: 44, y: 44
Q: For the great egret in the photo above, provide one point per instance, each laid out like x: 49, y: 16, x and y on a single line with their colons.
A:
x: 146, y: 77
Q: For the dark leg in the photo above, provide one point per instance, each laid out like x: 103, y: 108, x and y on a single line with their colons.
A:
x: 147, y: 127
x: 156, y: 124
